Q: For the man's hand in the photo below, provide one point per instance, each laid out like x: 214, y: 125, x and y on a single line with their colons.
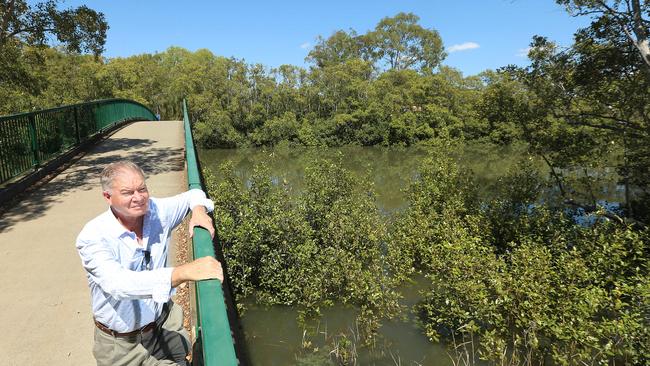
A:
x: 200, y: 218
x: 204, y: 268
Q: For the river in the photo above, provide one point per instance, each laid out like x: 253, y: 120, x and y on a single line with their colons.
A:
x: 273, y: 334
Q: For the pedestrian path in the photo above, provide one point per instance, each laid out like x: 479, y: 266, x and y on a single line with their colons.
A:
x: 44, y: 297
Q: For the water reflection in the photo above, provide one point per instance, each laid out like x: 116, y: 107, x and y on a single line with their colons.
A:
x: 275, y: 337
x: 388, y: 169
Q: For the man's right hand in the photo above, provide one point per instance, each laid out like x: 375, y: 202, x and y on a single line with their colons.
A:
x: 204, y: 268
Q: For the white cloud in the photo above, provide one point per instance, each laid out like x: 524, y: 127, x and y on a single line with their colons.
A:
x: 523, y: 52
x: 305, y: 45
x: 463, y: 47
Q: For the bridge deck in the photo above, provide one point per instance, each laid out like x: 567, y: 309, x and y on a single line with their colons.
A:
x: 44, y: 298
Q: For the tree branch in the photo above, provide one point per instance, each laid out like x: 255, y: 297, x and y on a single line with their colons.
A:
x: 632, y: 18
x: 588, y: 209
x: 32, y: 29
x: 5, y: 21
x: 557, y: 178
x: 572, y: 118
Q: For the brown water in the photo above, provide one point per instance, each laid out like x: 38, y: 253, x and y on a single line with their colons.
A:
x: 273, y: 334
x: 275, y: 337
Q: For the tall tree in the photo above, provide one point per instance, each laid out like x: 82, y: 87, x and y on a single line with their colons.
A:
x: 593, y: 96
x: 79, y: 29
x: 24, y: 30
x: 341, y: 46
x: 626, y: 16
x: 402, y: 43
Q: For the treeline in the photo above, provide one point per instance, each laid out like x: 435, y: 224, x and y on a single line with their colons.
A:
x: 360, y: 89
x: 572, y: 106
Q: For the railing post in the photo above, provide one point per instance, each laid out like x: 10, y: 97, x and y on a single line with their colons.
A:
x: 76, y: 125
x: 34, y: 141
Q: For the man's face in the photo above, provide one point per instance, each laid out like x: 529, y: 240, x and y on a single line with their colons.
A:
x: 128, y: 197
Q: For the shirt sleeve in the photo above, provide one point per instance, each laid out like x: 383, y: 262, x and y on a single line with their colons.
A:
x: 120, y: 283
x: 175, y: 208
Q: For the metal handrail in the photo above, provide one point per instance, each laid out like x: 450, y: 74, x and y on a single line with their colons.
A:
x: 214, y: 331
x: 28, y: 140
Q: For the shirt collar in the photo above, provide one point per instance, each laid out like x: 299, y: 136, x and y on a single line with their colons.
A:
x: 117, y: 230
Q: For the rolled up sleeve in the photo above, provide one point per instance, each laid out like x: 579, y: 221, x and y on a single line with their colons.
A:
x: 197, y: 198
x: 177, y: 207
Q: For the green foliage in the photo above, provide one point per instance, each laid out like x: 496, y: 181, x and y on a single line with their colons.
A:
x: 404, y: 44
x: 283, y: 128
x: 441, y: 195
x: 216, y: 130
x: 337, y: 48
x: 79, y: 30
x: 396, y: 43
x: 525, y: 282
x: 503, y: 104
x: 322, y: 247
x: 25, y: 30
x: 377, y: 88
x: 592, y: 98
x: 519, y: 279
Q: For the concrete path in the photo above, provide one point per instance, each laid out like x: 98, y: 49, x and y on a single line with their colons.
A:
x: 44, y: 297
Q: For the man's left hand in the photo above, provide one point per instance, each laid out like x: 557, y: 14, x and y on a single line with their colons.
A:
x: 200, y: 218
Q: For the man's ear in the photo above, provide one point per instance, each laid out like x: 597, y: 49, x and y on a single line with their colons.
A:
x: 107, y: 196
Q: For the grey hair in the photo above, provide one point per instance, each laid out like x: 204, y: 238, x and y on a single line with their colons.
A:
x: 111, y: 170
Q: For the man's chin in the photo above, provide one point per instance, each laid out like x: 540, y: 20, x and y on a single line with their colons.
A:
x: 138, y: 211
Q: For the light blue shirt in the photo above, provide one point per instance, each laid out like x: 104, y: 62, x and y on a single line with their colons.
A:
x: 126, y: 295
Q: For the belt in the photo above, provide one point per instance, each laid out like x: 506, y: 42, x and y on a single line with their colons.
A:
x: 110, y: 331
x: 151, y: 326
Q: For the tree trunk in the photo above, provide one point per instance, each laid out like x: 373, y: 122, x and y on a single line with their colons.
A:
x: 642, y: 43
x: 557, y: 178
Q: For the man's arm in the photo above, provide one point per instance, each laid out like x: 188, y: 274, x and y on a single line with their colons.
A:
x: 121, y: 283
x: 174, y: 209
x: 200, y: 269
x: 201, y: 218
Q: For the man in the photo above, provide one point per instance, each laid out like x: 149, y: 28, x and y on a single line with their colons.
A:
x: 124, y: 252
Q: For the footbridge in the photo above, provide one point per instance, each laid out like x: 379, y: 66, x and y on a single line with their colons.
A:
x: 49, y: 188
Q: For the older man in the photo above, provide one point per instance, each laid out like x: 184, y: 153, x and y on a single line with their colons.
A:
x: 124, y: 251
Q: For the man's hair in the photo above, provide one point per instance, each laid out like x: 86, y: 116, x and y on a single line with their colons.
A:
x: 114, y: 169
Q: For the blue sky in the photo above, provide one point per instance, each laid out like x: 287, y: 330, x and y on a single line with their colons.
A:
x: 478, y: 34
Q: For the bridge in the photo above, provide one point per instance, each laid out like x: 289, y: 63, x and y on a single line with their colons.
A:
x: 49, y: 167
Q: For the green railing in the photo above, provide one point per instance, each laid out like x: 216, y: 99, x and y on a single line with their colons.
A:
x: 28, y: 140
x: 213, y: 328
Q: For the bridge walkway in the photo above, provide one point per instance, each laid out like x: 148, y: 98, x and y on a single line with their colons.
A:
x: 44, y: 299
